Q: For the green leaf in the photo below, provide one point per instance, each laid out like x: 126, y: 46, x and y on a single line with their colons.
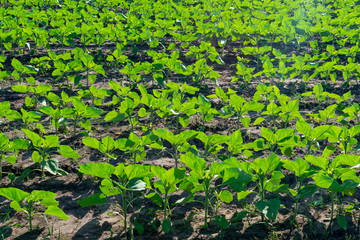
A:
x: 16, y: 206
x: 139, y: 227
x: 36, y: 157
x: 166, y: 226
x: 34, y: 137
x: 10, y: 159
x: 226, y: 196
x: 298, y: 166
x: 323, y: 180
x: 20, y: 88
x: 341, y: 220
x: 99, y: 69
x: 136, y: 185
x: 14, y: 194
x: 57, y: 212
x: 236, y: 178
x: 142, y: 112
x: 243, y: 194
x: 328, y: 151
x: 269, y: 208
x: 67, y: 152
x: 17, y: 65
x: 52, y: 166
x: 94, y: 199
x: 306, y: 191
x: 91, y: 142
x: 318, y: 161
x: 258, y: 121
x: 196, y: 164
x: 187, y: 199
x: 156, y: 198
x: 304, y: 128
x: 108, y: 189
x: 102, y: 170
x: 222, y: 222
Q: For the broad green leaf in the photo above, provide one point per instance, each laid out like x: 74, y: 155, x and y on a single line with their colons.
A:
x: 91, y: 142
x: 51, y: 141
x: 298, y: 166
x: 156, y: 198
x: 323, y: 180
x: 92, y: 200
x: 243, y: 194
x: 196, y: 164
x: 67, y: 152
x: 270, y: 208
x: 40, y: 194
x: 57, y: 212
x: 52, y: 166
x: 136, y: 185
x: 236, y: 178
x: 226, y: 196
x: 14, y: 194
x: 341, y: 220
x: 306, y: 191
x: 103, y: 170
x: 34, y: 137
x: 303, y: 128
x: 108, y: 189
x: 36, y: 157
x: 317, y: 161
x: 20, y: 88
x: 166, y: 226
x: 10, y: 159
x: 222, y: 222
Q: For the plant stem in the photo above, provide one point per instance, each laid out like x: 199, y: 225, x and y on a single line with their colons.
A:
x: 296, y: 209
x: 206, y: 205
x: 0, y: 167
x: 165, y: 205
x: 332, y: 208
x: 124, y: 207
x: 176, y: 156
x: 29, y: 211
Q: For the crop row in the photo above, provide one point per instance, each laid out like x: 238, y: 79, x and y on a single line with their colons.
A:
x: 335, y: 175
x: 312, y: 30
x: 218, y: 182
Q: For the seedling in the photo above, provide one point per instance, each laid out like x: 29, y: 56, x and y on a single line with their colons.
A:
x: 7, y: 146
x: 178, y: 142
x: 344, y: 136
x: 135, y: 145
x: 106, y: 146
x: 202, y: 179
x: 312, y: 135
x: 44, y: 147
x: 206, y: 112
x: 26, y: 202
x: 334, y: 177
x: 266, y: 174
x: 239, y: 107
x: 164, y: 188
x: 302, y: 171
x: 127, y: 179
x: 211, y: 143
x: 80, y: 111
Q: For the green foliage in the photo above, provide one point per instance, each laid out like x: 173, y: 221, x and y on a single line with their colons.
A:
x: 26, y: 202
x: 43, y: 148
x: 127, y: 179
x: 178, y: 142
x: 7, y: 146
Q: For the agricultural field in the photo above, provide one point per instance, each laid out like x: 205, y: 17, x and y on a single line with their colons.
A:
x: 190, y: 119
